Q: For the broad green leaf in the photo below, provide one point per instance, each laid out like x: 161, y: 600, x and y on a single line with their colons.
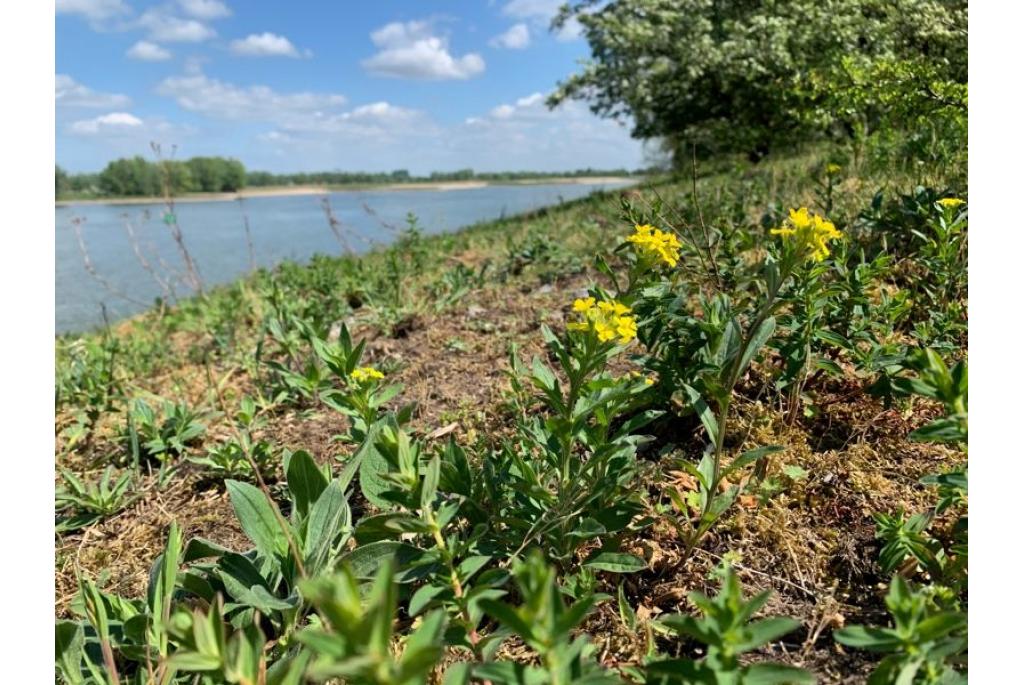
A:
x: 256, y: 516
x: 616, y: 562
x: 372, y: 469
x: 365, y: 561
x: 328, y: 518
x: 305, y: 481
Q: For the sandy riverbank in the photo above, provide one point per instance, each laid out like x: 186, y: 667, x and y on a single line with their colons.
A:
x: 280, y: 191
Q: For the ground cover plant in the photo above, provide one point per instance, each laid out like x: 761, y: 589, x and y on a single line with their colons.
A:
x: 709, y: 429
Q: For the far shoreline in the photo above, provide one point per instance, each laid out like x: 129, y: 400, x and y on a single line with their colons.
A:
x: 286, y: 191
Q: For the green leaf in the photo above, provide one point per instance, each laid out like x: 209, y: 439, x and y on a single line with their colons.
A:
x: 459, y: 673
x: 193, y: 661
x: 328, y: 518
x: 422, y: 598
x: 868, y: 637
x: 707, y: 417
x: 431, y: 476
x: 765, y: 631
x: 255, y: 514
x: 372, y: 469
x: 626, y: 612
x: 388, y: 526
x: 757, y: 341
x: 683, y: 671
x: 507, y: 616
x: 749, y: 457
x: 365, y: 561
x: 201, y: 548
x: 940, y: 625
x: 305, y: 481
x: 70, y: 638
x: 616, y: 562
x: 777, y: 674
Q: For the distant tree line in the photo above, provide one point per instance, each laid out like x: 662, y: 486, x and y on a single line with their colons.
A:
x: 264, y: 178
x: 138, y: 177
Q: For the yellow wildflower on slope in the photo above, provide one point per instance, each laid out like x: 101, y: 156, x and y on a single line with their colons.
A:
x: 365, y: 374
x: 809, y: 233
x: 951, y: 202
x: 655, y: 244
x: 607, y: 319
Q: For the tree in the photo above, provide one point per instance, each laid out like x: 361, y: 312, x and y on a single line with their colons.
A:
x: 62, y: 182
x: 743, y: 75
x: 127, y: 177
x: 234, y: 176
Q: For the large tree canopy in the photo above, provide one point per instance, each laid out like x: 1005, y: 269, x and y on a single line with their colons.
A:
x: 734, y: 75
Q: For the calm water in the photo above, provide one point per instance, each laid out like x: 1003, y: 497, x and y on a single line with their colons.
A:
x: 282, y: 228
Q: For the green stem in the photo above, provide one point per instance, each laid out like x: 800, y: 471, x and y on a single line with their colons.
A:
x: 734, y: 373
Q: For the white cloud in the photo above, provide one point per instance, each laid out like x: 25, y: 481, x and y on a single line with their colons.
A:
x: 516, y: 38
x: 148, y: 52
x: 168, y: 28
x: 265, y: 45
x: 531, y: 105
x: 520, y: 134
x: 530, y: 9
x: 115, y: 121
x: 71, y: 94
x: 411, y: 50
x: 198, y: 93
x: 541, y: 12
x: 525, y: 134
x: 94, y: 10
x: 205, y: 9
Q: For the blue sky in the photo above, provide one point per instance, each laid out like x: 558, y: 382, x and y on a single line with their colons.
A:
x: 303, y: 86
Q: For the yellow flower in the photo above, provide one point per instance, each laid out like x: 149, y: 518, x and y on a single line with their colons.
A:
x: 656, y: 245
x: 833, y: 169
x: 951, y: 202
x: 648, y: 380
x: 608, y: 319
x: 810, y: 233
x: 583, y: 305
x: 365, y: 374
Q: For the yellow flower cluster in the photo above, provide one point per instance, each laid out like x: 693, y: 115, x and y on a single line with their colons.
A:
x: 810, y: 233
x: 951, y: 202
x: 366, y: 374
x: 608, y: 319
x: 833, y: 169
x: 657, y: 244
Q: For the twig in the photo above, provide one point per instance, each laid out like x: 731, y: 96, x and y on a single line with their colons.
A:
x: 779, y: 579
x: 76, y: 225
x: 376, y: 217
x: 248, y: 233
x: 171, y: 218
x: 703, y: 226
x: 335, y: 224
x: 165, y: 286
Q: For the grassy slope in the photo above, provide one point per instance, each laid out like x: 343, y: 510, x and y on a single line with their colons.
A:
x: 813, y: 544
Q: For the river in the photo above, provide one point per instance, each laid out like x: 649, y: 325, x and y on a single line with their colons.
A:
x: 281, y: 227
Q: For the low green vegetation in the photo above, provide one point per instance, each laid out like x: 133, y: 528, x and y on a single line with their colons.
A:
x: 708, y: 430
x: 520, y: 534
